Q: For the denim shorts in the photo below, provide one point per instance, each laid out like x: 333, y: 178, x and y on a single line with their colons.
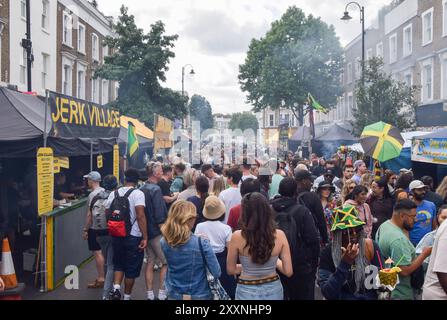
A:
x: 266, y: 291
x: 127, y: 257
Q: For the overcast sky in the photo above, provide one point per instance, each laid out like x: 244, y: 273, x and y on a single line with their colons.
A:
x: 214, y: 36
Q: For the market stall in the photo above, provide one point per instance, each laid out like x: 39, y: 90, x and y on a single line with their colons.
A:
x: 80, y: 137
x: 328, y: 143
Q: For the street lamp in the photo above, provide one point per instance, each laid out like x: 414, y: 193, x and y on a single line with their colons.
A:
x: 346, y: 17
x: 183, y: 83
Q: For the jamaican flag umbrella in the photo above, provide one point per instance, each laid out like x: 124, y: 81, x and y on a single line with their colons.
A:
x: 381, y: 141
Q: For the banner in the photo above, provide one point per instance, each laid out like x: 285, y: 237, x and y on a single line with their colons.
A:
x: 429, y: 150
x: 45, y: 180
x: 99, y: 161
x: 116, y: 162
x: 74, y: 118
x: 162, y: 133
x: 61, y: 162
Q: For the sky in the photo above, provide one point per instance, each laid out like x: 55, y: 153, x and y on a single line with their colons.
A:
x: 214, y: 36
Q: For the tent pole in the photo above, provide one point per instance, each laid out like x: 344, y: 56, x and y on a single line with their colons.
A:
x: 45, y: 136
x: 91, y: 155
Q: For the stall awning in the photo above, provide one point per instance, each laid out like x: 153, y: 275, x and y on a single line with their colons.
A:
x: 336, y: 133
x: 141, y: 129
x: 22, y: 123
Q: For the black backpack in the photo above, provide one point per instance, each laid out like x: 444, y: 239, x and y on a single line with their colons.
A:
x: 118, y: 219
x: 286, y: 222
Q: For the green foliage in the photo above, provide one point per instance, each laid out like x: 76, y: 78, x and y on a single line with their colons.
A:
x: 243, y: 121
x: 381, y: 98
x: 298, y: 55
x: 200, y: 110
x: 139, y: 62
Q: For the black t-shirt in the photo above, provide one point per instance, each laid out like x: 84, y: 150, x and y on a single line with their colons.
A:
x: 58, y: 188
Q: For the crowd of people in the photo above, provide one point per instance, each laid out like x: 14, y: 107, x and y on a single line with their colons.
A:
x: 268, y: 234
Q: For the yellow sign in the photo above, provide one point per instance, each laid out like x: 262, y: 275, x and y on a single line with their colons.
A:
x: 162, y: 135
x: 61, y: 162
x: 64, y: 162
x: 116, y: 161
x: 99, y: 160
x: 45, y: 180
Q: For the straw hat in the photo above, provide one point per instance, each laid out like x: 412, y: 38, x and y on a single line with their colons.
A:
x: 214, y: 208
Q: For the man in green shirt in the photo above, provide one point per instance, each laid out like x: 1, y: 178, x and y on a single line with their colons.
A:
x: 394, y: 242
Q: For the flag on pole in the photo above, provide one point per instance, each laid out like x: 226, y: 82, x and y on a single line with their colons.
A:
x: 132, y: 140
x: 315, y: 105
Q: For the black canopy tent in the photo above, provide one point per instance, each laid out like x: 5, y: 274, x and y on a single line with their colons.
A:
x: 335, y: 136
x: 145, y: 148
x: 301, y: 134
x: 22, y: 125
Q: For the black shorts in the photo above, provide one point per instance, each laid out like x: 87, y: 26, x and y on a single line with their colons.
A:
x: 93, y: 245
x: 127, y: 257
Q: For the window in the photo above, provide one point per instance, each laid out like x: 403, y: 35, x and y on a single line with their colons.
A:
x: 427, y: 27
x: 45, y: 70
x: 105, y: 52
x: 349, y: 72
x: 67, y: 30
x: 271, y: 120
x: 117, y: 87
x: 95, y: 90
x: 81, y: 38
x: 427, y: 81
x: 444, y: 77
x: 45, y: 14
x: 379, y: 50
x: 444, y: 18
x: 393, y: 48
x: 369, y: 54
x: 23, y: 8
x: 342, y: 77
x: 408, y: 78
x: 23, y: 63
x: 358, y: 67
x: 350, y: 105
x: 408, y: 40
x: 66, y: 79
x: 105, y: 92
x: 95, y: 47
x: 80, y: 82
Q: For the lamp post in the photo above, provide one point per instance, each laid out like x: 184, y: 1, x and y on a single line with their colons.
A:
x: 183, y: 85
x: 347, y: 17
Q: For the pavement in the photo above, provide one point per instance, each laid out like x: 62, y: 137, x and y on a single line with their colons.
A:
x: 87, y: 274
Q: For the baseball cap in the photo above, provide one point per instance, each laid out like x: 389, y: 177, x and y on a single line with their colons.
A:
x: 94, y: 176
x: 416, y: 184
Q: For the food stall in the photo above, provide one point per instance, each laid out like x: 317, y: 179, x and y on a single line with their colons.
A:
x: 80, y: 136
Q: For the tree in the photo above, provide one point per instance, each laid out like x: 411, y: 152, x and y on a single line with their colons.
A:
x: 200, y: 110
x: 243, y: 121
x: 298, y: 55
x: 139, y: 62
x: 383, y: 99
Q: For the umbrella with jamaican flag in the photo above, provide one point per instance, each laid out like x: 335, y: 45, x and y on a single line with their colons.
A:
x: 381, y: 141
x: 346, y: 218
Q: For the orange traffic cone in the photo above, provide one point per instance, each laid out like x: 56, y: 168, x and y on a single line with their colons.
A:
x: 7, y: 271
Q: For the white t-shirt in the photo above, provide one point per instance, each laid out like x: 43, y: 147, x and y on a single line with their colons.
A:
x: 230, y: 197
x: 136, y: 198
x: 438, y: 263
x: 217, y: 232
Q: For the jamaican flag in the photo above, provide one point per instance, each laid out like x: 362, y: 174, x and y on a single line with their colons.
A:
x: 132, y: 140
x: 315, y: 105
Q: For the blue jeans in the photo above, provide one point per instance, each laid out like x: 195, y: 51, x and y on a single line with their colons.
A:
x: 267, y: 291
x: 105, y: 243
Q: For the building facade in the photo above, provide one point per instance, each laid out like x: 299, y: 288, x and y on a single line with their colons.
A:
x: 67, y: 46
x: 221, y: 122
x: 412, y: 40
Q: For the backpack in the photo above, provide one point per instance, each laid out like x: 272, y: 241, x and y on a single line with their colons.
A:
x: 300, y: 253
x: 98, y: 210
x: 118, y: 220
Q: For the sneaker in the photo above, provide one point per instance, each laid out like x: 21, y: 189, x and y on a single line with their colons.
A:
x: 162, y: 295
x: 156, y: 267
x: 150, y: 296
x: 115, y: 294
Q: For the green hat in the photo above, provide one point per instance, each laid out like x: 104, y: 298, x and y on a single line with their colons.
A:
x: 345, y: 218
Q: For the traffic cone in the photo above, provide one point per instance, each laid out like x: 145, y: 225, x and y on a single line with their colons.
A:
x: 7, y: 271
